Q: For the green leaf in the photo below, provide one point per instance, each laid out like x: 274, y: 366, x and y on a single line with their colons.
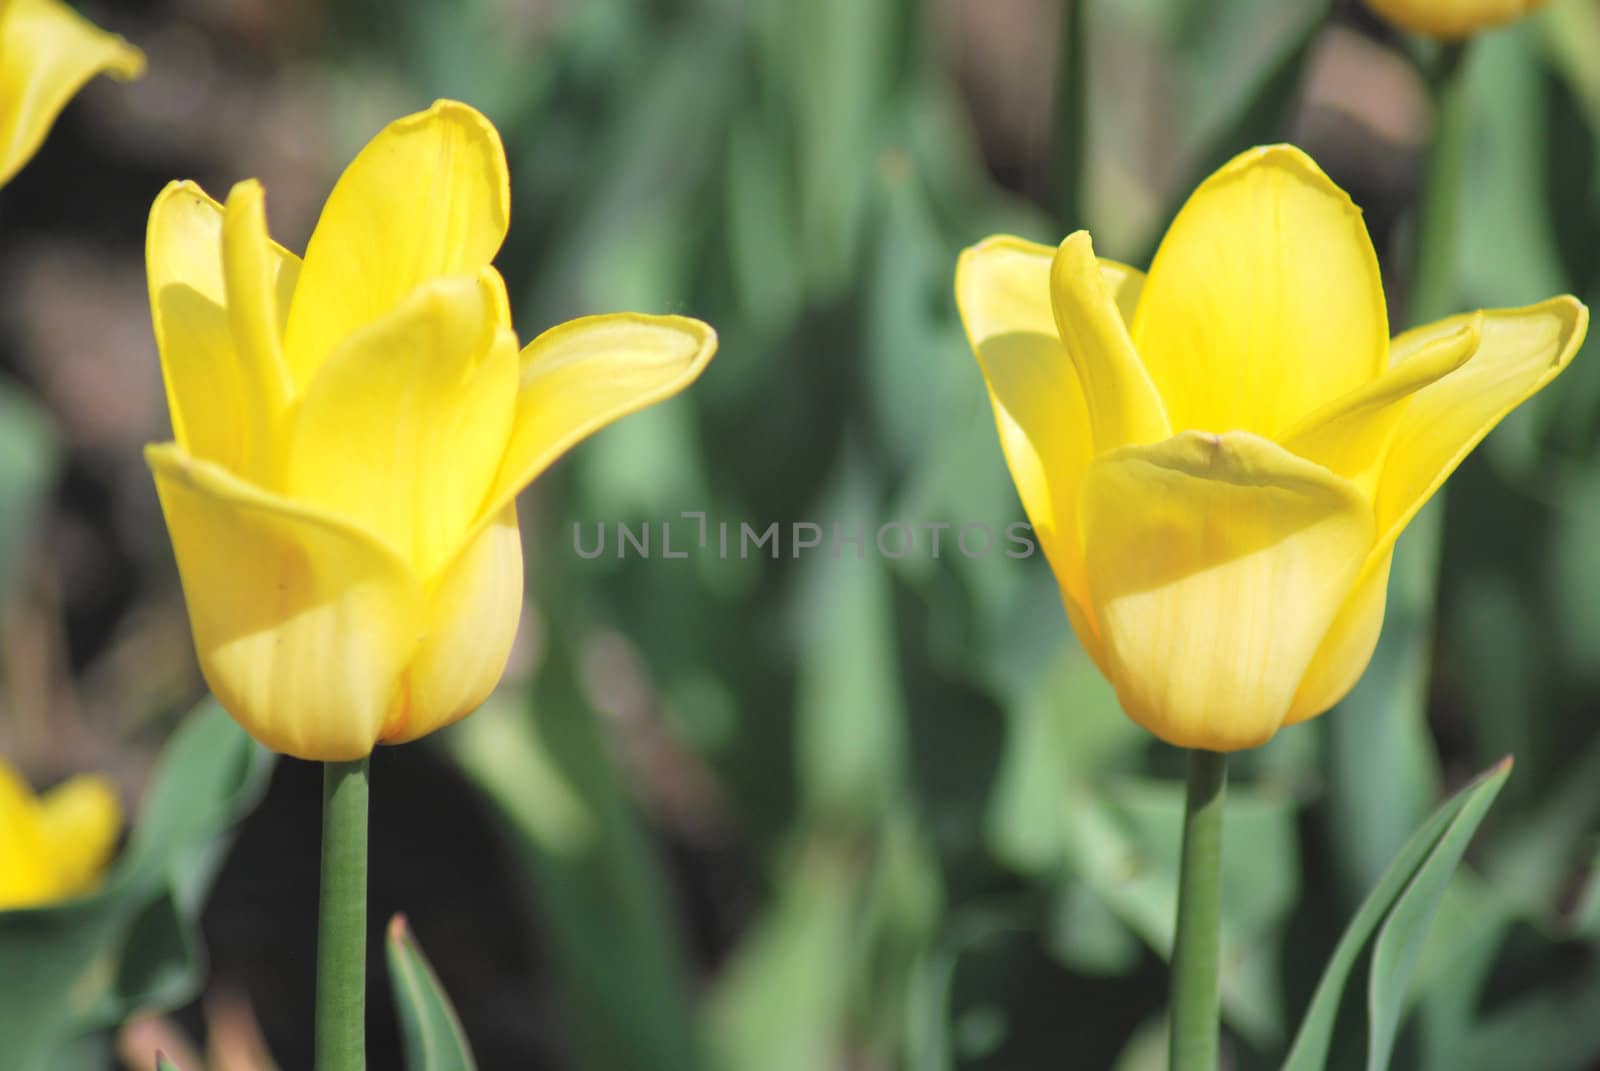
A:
x: 434, y: 1040
x: 133, y: 946
x: 165, y: 1064
x: 1403, y: 903
x: 784, y: 1002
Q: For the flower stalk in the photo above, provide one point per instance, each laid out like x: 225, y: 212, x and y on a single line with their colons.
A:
x: 1072, y: 91
x: 1438, y: 219
x: 342, y: 919
x: 1196, y: 999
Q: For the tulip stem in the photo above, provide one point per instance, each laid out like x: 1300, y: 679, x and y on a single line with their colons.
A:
x: 342, y: 919
x: 1434, y: 283
x: 1196, y: 999
x: 1071, y: 120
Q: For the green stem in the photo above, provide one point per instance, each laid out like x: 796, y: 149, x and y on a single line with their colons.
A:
x: 1196, y: 994
x: 1072, y: 92
x: 342, y: 920
x: 1439, y: 213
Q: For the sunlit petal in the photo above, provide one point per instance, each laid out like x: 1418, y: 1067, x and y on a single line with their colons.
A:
x: 1216, y: 565
x: 587, y: 373
x: 1123, y: 405
x: 428, y: 197
x: 471, y: 621
x: 303, y: 624
x: 1351, y: 435
x: 1264, y: 301
x: 404, y: 428
x: 1519, y: 351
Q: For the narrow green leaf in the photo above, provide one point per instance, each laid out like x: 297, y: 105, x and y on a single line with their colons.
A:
x: 434, y: 1040
x: 1401, y: 939
x: 1411, y: 886
x: 163, y: 1063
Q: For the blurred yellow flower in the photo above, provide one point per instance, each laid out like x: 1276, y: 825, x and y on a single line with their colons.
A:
x: 1218, y: 457
x: 57, y: 845
x: 1451, y: 20
x: 47, y: 53
x: 352, y: 432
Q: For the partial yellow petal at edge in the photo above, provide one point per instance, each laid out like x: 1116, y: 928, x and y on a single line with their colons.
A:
x: 471, y: 623
x: 1451, y: 20
x: 27, y: 878
x: 81, y: 820
x: 1217, y: 564
x: 580, y: 376
x: 47, y: 53
x: 303, y: 624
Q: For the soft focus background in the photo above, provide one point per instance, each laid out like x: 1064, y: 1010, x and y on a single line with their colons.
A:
x: 830, y: 812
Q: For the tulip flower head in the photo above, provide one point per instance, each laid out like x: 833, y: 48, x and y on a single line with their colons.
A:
x: 1451, y: 20
x: 1218, y: 457
x: 54, y: 846
x: 351, y: 432
x: 47, y: 53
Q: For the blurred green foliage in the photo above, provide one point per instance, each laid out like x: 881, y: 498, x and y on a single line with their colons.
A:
x: 966, y: 861
x: 952, y: 850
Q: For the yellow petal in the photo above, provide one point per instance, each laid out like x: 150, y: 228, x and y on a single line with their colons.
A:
x: 1003, y: 293
x: 259, y: 282
x: 1347, y: 648
x: 1519, y: 351
x: 1216, y: 565
x: 1123, y: 405
x: 1451, y: 20
x: 1351, y: 434
x: 428, y: 197
x: 1263, y: 302
x: 26, y: 874
x: 81, y: 820
x: 209, y: 384
x: 580, y: 376
x: 47, y: 53
x: 471, y: 622
x: 304, y: 625
x: 403, y: 429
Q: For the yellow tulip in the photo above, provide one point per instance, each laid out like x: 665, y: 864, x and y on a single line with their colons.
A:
x: 55, y: 846
x: 352, y: 432
x: 1218, y: 457
x: 1451, y: 20
x: 47, y: 53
